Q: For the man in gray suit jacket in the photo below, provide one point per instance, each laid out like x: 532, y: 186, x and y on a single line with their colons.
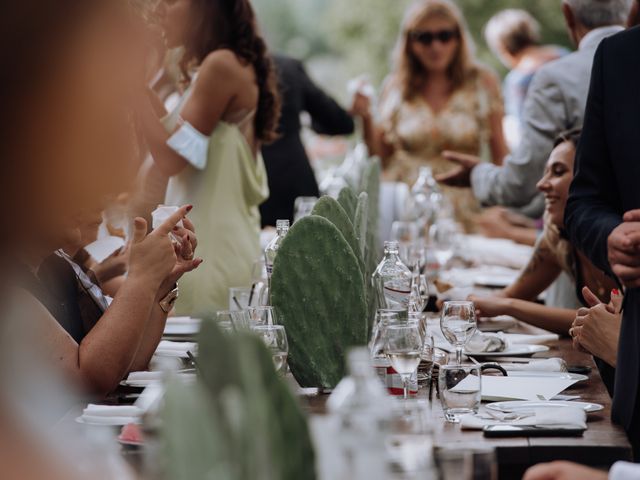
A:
x: 555, y: 103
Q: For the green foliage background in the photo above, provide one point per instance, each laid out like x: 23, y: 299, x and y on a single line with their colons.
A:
x: 340, y: 39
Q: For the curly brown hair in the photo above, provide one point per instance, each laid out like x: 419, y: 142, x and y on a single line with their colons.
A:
x: 232, y: 24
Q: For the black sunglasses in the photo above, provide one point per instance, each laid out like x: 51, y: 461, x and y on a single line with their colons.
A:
x: 427, y: 38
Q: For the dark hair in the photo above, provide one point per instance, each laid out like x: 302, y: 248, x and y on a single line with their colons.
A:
x: 232, y: 24
x: 572, y: 136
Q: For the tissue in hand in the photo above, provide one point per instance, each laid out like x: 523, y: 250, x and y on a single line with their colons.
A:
x: 161, y: 214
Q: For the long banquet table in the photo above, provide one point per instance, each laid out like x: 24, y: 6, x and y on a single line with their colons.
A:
x: 602, y: 444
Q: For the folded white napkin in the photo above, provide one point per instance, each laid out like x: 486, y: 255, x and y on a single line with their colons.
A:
x: 144, y: 376
x: 520, y: 338
x: 546, y: 365
x: 487, y: 342
x: 183, y: 321
x: 574, y: 416
x: 111, y: 411
x: 175, y: 349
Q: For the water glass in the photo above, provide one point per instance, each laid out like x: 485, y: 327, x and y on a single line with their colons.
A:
x: 233, y: 319
x: 410, y: 442
x: 467, y: 462
x: 275, y: 338
x: 403, y: 346
x: 241, y: 298
x: 458, y: 324
x: 263, y: 315
x: 460, y: 390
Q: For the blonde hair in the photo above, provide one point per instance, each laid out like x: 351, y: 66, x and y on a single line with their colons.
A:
x: 409, y: 75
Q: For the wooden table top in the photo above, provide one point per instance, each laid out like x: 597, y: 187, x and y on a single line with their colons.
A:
x: 602, y: 444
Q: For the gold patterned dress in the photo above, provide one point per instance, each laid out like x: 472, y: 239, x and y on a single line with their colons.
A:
x: 419, y: 135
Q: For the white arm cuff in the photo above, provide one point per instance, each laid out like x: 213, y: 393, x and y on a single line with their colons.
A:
x: 190, y: 144
x: 624, y: 471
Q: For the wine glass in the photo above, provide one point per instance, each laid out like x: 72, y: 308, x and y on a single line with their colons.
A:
x: 403, y: 346
x: 275, y: 338
x: 458, y: 324
x: 263, y: 315
x: 406, y: 234
x: 443, y: 234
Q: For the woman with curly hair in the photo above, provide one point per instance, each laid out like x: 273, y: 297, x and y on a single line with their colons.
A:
x: 437, y: 98
x: 210, y: 144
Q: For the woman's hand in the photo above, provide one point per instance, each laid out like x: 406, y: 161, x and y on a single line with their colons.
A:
x: 185, y: 261
x: 596, y: 330
x: 361, y: 106
x: 153, y: 256
x: 491, y: 306
x: 563, y: 471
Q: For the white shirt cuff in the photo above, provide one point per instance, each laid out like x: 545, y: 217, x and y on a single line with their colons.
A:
x: 624, y: 471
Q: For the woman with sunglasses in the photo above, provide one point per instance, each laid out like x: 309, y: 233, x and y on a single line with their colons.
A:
x: 437, y: 98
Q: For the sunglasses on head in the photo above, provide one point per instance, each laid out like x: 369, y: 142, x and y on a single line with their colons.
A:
x: 427, y: 38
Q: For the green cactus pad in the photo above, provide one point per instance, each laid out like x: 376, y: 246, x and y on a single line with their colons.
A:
x: 348, y: 200
x: 241, y: 420
x: 360, y: 221
x: 330, y: 209
x: 317, y: 288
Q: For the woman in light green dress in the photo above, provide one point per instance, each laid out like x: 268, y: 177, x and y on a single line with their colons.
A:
x: 209, y: 145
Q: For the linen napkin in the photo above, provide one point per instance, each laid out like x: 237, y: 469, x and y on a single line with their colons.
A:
x: 111, y: 414
x: 520, y: 338
x: 546, y: 365
x: 168, y: 348
x: 486, y: 342
x: 573, y: 416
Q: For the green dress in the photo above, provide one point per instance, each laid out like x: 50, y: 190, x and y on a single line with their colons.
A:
x: 225, y: 195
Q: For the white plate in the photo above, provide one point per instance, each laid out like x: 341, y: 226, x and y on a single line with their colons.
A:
x: 497, y: 324
x: 494, y: 281
x: 109, y: 421
x: 520, y: 405
x: 511, y: 351
x: 569, y: 376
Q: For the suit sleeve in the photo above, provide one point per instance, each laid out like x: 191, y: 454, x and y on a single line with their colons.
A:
x: 328, y: 118
x: 514, y: 183
x: 593, y: 208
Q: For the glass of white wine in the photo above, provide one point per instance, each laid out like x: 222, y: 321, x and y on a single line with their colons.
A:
x: 458, y: 324
x: 275, y: 338
x: 403, y: 346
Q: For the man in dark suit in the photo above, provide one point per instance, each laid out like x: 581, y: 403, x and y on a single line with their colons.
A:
x: 289, y: 172
x: 603, y: 211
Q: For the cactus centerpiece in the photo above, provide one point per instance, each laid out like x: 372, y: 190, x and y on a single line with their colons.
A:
x: 239, y: 421
x: 330, y: 209
x: 348, y: 200
x: 318, y: 290
x: 361, y: 220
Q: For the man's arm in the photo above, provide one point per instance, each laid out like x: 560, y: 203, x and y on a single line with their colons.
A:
x: 593, y: 209
x: 327, y: 116
x: 514, y: 183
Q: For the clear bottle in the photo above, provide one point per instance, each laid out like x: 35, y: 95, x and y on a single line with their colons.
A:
x: 282, y: 227
x: 426, y: 197
x: 364, y: 410
x: 392, y: 280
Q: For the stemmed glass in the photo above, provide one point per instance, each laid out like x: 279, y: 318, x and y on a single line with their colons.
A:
x: 403, y: 346
x: 419, y: 296
x: 458, y: 324
x: 275, y: 338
